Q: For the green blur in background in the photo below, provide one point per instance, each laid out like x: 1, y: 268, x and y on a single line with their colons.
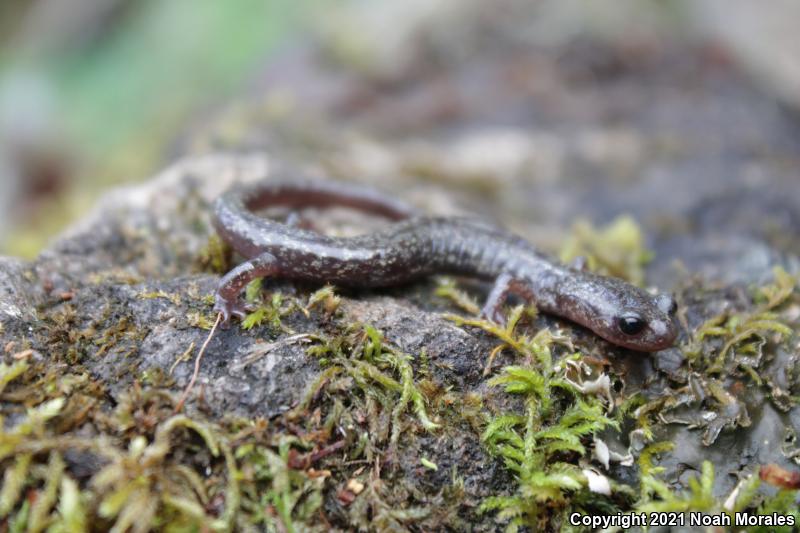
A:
x: 96, y: 92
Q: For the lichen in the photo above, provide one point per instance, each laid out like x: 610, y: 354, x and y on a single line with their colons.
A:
x: 734, y: 342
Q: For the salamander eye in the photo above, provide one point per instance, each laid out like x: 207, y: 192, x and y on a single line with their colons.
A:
x: 631, y: 324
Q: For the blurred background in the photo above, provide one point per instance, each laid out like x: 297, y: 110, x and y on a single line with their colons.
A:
x: 510, y: 96
x: 94, y: 93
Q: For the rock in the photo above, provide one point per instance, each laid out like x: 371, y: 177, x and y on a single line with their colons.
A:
x: 120, y: 304
x: 119, y: 296
x: 17, y: 294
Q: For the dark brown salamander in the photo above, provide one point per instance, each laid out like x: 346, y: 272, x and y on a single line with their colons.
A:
x: 417, y: 246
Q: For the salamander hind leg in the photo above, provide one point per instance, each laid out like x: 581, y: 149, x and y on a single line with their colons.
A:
x: 504, y: 285
x: 231, y: 285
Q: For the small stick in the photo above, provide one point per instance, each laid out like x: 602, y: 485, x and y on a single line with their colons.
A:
x: 188, y: 390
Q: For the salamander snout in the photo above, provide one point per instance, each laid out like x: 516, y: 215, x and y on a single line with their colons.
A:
x: 619, y: 312
x: 647, y: 327
x: 667, y: 304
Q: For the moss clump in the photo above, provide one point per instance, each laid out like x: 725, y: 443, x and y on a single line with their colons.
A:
x: 215, y: 257
x: 448, y: 289
x: 140, y: 482
x: 732, y: 342
x: 271, y: 311
x: 369, y: 364
x: 292, y: 496
x: 152, y: 295
x: 363, y: 448
x: 544, y: 444
x: 324, y: 299
x: 699, y: 497
x: 616, y: 250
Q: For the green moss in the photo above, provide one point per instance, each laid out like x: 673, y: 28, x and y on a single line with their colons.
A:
x: 140, y: 484
x: 447, y: 288
x: 174, y: 298
x: 270, y: 313
x: 646, y: 466
x: 368, y: 363
x: 731, y: 341
x: 699, y: 497
x: 335, y: 454
x: 252, y: 293
x: 784, y: 502
x: 542, y: 445
x: 521, y: 345
x: 325, y: 299
x: 427, y: 463
x: 196, y: 319
x: 215, y: 256
x: 10, y: 373
x: 617, y: 249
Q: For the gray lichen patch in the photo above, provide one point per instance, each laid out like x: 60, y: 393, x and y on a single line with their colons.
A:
x: 17, y: 291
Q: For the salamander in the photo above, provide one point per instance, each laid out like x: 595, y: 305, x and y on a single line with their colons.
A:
x: 414, y: 246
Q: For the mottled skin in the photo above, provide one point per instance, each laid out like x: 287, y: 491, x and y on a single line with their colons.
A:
x: 418, y: 246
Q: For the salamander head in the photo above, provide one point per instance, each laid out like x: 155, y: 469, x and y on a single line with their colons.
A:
x: 622, y: 313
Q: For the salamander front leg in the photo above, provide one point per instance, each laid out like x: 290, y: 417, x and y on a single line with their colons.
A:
x: 231, y: 285
x: 493, y: 308
x: 504, y: 285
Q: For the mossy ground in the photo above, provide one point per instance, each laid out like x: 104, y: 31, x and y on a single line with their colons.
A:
x: 379, y: 440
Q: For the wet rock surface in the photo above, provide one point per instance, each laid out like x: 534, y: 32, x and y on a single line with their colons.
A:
x: 706, y: 164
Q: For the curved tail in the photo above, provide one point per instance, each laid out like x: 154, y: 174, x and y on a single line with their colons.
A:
x: 303, y: 192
